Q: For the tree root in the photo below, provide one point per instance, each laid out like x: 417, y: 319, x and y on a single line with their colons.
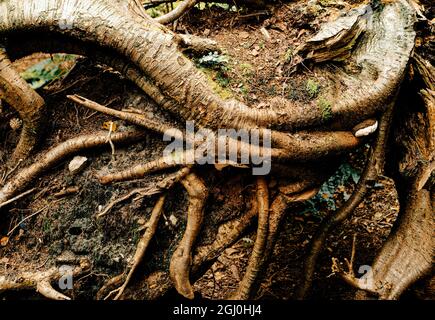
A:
x: 133, y: 118
x: 29, y: 104
x: 161, y: 186
x: 40, y: 281
x: 141, y: 246
x: 161, y: 60
x: 373, y: 169
x: 60, y: 152
x: 179, y: 268
x: 257, y: 254
x: 268, y: 227
x: 179, y: 11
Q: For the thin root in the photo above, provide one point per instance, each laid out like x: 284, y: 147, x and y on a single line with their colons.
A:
x: 245, y: 287
x: 142, y: 245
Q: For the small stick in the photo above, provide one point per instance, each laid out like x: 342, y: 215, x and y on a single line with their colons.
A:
x: 25, y: 219
x: 144, y: 242
x: 17, y: 197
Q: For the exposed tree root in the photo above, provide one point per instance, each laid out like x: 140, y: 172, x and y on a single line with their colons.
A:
x: 133, y: 118
x: 60, y: 152
x: 228, y: 234
x: 268, y: 226
x: 17, y: 93
x: 406, y: 256
x: 40, y: 281
x: 181, y: 260
x: 380, y: 39
x: 245, y: 286
x: 179, y: 11
x: 161, y: 186
x: 373, y: 169
x: 141, y: 246
x: 161, y: 60
x: 303, y: 146
x: 141, y: 170
x: 408, y: 252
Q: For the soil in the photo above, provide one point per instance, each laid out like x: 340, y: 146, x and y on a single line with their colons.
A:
x: 66, y: 229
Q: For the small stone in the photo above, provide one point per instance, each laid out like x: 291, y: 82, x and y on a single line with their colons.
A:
x: 77, y: 164
x: 141, y: 221
x: 265, y: 34
x: 206, y: 32
x: 173, y: 219
x: 244, y: 35
x: 255, y: 53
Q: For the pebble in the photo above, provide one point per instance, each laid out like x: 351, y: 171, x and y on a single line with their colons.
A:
x: 77, y: 164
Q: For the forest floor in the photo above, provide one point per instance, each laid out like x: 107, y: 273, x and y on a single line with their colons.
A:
x: 254, y: 68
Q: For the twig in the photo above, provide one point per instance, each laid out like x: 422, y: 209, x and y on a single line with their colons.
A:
x: 17, y: 197
x: 144, y: 241
x: 25, y: 219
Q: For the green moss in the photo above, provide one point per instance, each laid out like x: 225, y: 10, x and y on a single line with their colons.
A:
x: 288, y: 55
x: 247, y: 69
x: 218, y: 82
x: 326, y: 107
x: 312, y: 88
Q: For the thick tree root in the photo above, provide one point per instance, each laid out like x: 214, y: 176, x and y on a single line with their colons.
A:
x: 29, y: 104
x: 41, y: 281
x: 406, y: 256
x: 141, y: 246
x: 60, y: 152
x: 268, y: 226
x: 159, y: 58
x: 179, y: 268
x: 373, y: 169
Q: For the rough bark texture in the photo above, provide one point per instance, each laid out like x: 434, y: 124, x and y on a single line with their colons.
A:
x: 370, y: 48
x: 154, y: 50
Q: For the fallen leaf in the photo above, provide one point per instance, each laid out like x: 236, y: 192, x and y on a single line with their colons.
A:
x: 4, y: 241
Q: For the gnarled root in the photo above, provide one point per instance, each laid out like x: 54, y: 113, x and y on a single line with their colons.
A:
x: 159, y: 187
x: 406, y: 256
x: 29, y: 104
x: 41, y: 281
x: 252, y: 270
x: 373, y: 169
x: 60, y: 152
x: 268, y: 226
x: 179, y: 268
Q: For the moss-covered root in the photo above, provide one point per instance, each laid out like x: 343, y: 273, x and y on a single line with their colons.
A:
x: 41, y: 281
x: 29, y: 104
x: 179, y: 268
